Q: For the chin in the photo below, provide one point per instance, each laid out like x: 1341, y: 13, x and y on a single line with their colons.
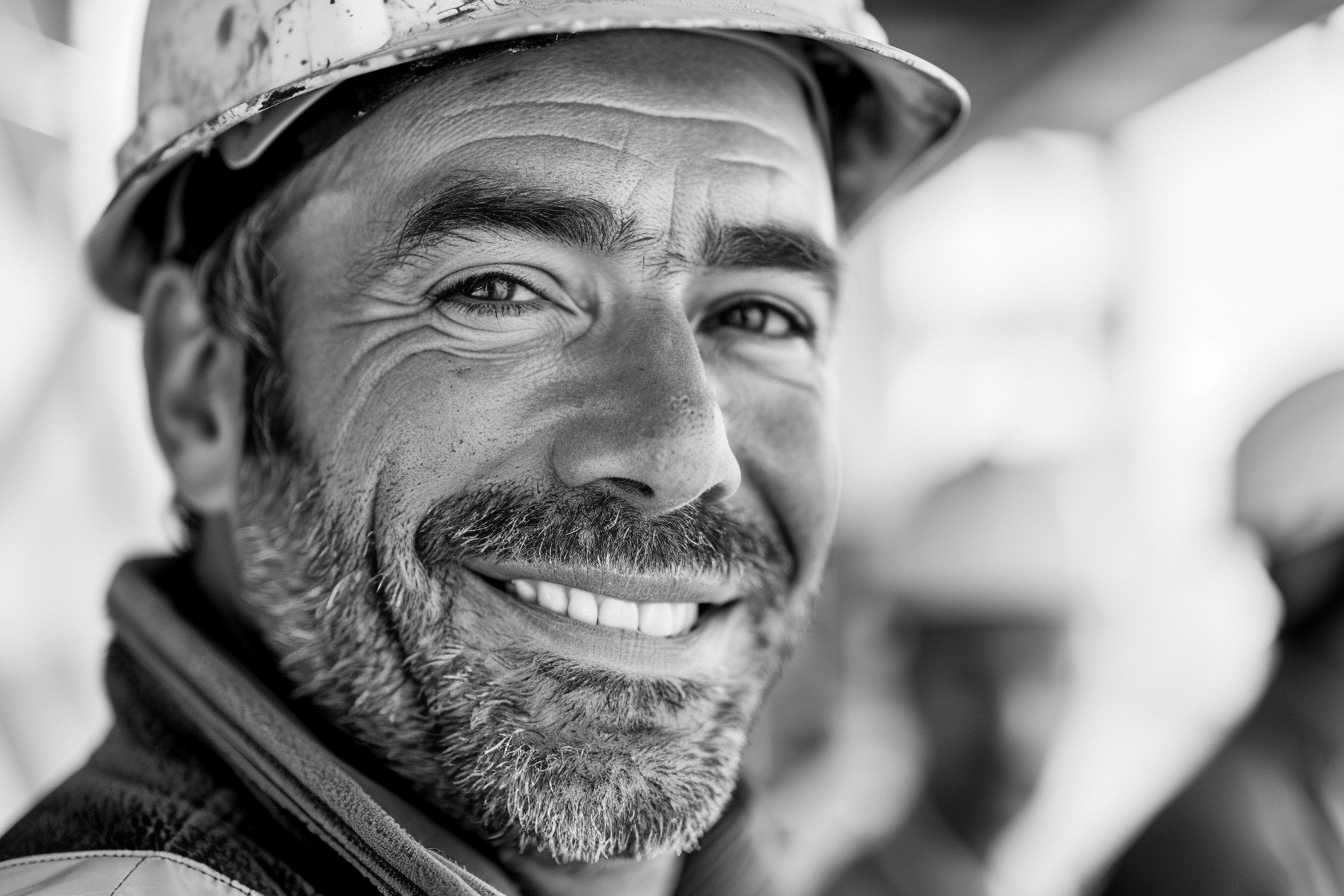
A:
x: 539, y: 752
x: 583, y: 765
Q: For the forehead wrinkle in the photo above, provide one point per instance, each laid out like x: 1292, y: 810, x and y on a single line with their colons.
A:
x: 662, y: 115
x: 771, y: 168
x: 484, y: 142
x: 429, y: 123
x: 531, y: 132
x: 660, y: 254
x: 652, y: 68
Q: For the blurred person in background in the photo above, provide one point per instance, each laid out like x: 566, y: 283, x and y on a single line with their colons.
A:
x: 978, y: 593
x: 1265, y: 817
x: 495, y: 391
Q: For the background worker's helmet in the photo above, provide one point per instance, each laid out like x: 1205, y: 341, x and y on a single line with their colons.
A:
x: 228, y: 76
x: 1288, y: 489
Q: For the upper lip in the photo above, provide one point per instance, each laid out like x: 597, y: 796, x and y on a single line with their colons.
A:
x: 690, y: 586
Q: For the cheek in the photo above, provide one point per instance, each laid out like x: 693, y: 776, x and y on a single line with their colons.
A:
x: 785, y: 443
x: 426, y: 425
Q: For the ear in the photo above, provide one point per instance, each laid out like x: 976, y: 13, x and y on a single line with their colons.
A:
x: 195, y: 375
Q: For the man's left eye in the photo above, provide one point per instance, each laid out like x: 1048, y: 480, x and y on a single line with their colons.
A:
x: 762, y: 318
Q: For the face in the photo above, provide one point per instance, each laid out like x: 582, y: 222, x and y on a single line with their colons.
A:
x: 554, y: 334
x: 989, y: 696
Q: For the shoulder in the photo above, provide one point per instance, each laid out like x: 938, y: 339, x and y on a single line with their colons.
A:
x: 153, y: 788
x: 121, y: 872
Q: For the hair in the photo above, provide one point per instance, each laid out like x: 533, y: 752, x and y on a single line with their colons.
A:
x: 239, y: 282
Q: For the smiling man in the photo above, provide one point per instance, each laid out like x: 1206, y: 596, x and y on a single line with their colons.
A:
x: 488, y: 350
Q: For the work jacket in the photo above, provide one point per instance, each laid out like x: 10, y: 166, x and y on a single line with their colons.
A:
x: 209, y: 784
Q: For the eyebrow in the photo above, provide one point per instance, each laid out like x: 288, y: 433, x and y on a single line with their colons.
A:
x: 473, y: 204
x: 771, y: 246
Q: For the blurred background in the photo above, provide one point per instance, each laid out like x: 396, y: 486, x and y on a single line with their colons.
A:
x: 1136, y: 249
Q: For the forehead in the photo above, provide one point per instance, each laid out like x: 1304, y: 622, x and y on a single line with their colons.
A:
x: 672, y: 128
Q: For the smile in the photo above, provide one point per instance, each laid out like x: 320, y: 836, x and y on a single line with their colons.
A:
x: 657, y: 619
x: 662, y: 624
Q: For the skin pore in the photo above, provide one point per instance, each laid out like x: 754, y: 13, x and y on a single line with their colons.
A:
x: 559, y: 316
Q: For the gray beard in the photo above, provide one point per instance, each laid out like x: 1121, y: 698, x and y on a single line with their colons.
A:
x: 532, y: 751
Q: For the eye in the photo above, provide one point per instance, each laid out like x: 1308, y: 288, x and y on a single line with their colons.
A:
x: 762, y: 317
x: 487, y: 293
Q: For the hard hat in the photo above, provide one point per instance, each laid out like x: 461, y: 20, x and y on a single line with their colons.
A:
x: 247, y: 68
x: 988, y: 545
x: 1289, y: 474
x: 1289, y: 489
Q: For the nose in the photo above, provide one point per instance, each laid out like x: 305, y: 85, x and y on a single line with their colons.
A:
x: 648, y: 426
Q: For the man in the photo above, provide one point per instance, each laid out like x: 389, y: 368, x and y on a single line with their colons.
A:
x: 487, y: 345
x: 983, y: 583
x: 1266, y: 816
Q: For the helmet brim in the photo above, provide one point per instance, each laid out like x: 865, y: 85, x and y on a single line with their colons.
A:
x: 915, y: 110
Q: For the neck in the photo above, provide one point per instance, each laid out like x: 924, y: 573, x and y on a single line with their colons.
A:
x: 544, y: 876
x: 215, y: 566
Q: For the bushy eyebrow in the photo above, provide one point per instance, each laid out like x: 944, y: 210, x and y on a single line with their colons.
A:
x: 473, y: 204
x: 477, y: 204
x: 770, y: 246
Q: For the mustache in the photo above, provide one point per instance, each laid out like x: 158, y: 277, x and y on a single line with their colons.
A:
x: 588, y: 527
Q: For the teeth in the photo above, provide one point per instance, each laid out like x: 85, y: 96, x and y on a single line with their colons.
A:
x: 551, y: 596
x: 657, y: 619
x: 618, y: 614
x: 685, y: 616
x: 582, y: 606
x: 661, y: 620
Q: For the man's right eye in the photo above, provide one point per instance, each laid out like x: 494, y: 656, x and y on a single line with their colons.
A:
x: 488, y: 293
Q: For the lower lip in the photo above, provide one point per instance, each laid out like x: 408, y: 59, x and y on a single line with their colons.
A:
x: 704, y: 648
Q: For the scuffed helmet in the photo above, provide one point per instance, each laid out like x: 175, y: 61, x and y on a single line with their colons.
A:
x: 229, y: 75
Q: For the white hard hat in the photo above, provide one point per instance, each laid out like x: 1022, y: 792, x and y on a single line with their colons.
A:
x: 1290, y: 469
x: 209, y: 66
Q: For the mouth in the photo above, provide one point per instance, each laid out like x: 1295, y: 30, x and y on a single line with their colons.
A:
x: 654, y: 605
x: 663, y: 623
x: 658, y: 619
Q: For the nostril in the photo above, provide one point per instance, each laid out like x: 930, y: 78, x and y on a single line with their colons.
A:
x: 632, y: 486
x: 716, y: 493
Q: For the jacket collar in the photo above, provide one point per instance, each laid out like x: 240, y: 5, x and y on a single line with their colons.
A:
x: 278, y: 758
